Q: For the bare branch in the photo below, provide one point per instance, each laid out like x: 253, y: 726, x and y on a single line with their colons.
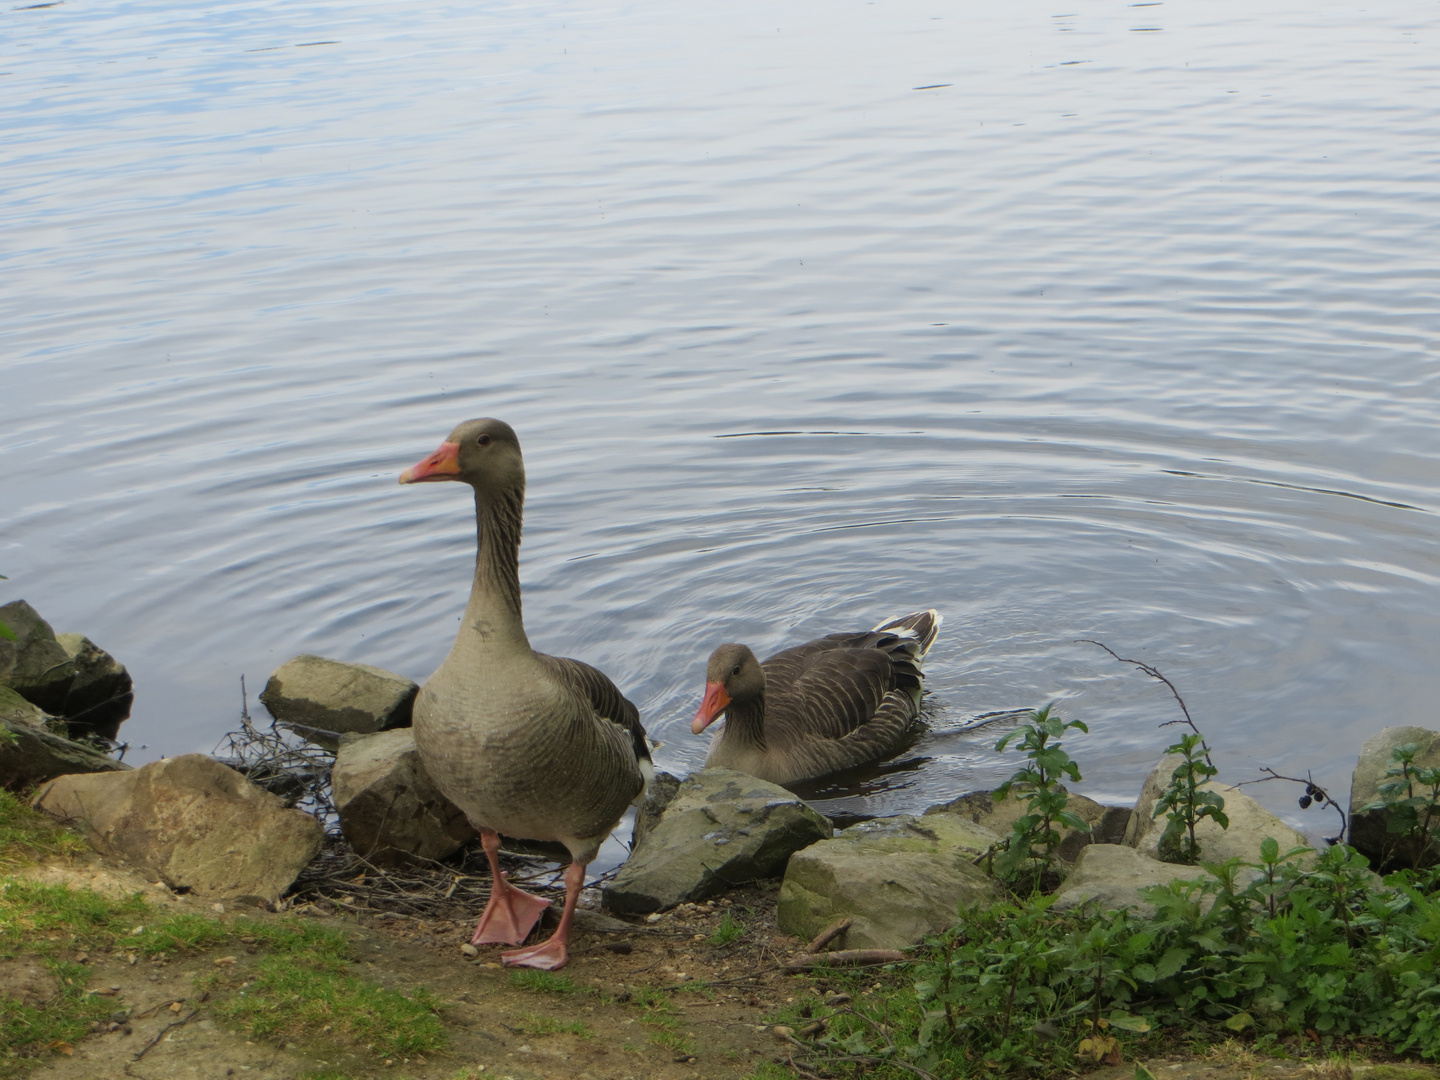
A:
x: 1154, y: 674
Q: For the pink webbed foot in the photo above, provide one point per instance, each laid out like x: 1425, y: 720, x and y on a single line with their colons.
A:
x: 549, y: 955
x: 509, y: 916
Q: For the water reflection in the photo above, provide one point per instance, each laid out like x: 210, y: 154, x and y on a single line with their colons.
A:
x: 1081, y: 341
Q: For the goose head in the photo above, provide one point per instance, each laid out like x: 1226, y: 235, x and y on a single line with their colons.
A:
x: 733, y: 676
x: 483, y: 453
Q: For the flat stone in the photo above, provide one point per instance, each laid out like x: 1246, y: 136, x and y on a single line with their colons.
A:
x: 34, y: 664
x: 899, y: 879
x: 100, y: 694
x: 722, y: 828
x: 1250, y: 823
x: 1110, y: 877
x: 192, y: 823
x: 320, y: 699
x: 389, y: 807
x: 31, y: 755
x: 1369, y: 830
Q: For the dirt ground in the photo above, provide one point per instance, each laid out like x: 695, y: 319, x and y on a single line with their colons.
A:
x: 161, y: 1029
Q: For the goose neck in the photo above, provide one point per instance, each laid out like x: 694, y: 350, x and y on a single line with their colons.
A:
x: 494, y: 612
x: 745, y: 721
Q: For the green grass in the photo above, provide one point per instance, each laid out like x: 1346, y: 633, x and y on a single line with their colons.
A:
x: 303, y: 994
x: 27, y: 835
x: 728, y: 930
x: 545, y: 982
x: 27, y: 1032
x: 43, y: 918
x: 545, y: 1025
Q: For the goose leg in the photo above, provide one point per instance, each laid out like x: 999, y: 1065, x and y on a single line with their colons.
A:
x: 511, y: 913
x: 551, y: 953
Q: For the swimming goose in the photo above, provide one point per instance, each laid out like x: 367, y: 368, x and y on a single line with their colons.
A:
x: 830, y: 704
x: 533, y: 746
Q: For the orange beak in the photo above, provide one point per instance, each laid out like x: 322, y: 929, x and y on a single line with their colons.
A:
x: 443, y: 464
x: 714, y: 704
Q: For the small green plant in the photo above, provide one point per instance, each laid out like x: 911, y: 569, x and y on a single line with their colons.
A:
x: 730, y: 929
x: 1185, y: 804
x: 1034, y: 836
x: 1409, y: 813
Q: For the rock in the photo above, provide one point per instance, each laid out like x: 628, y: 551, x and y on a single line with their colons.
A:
x: 320, y: 699
x: 101, y: 692
x: 34, y: 664
x: 1250, y: 823
x: 192, y: 823
x: 899, y: 879
x: 1112, y: 875
x: 389, y: 808
x: 31, y: 755
x: 1369, y: 832
x: 722, y: 828
x: 997, y: 815
x: 658, y: 795
x: 16, y: 710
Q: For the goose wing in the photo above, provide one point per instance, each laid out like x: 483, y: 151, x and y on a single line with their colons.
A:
x: 593, y: 685
x: 826, y: 688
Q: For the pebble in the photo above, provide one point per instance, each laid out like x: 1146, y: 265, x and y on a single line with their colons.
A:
x: 654, y: 917
x: 469, y: 950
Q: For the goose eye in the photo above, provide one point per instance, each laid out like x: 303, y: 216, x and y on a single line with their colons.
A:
x: 735, y: 670
x: 482, y: 440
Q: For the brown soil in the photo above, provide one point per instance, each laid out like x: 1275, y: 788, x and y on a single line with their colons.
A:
x: 720, y: 1034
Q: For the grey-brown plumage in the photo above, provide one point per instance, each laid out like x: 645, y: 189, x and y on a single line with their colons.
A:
x: 814, y: 709
x: 532, y: 746
x: 528, y: 745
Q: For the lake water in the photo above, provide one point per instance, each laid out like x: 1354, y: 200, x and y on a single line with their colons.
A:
x: 1075, y: 320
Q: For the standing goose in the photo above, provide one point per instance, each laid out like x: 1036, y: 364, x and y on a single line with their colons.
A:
x: 532, y: 746
x: 830, y: 704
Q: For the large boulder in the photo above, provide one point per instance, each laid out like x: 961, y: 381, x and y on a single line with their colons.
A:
x: 30, y: 754
x: 1107, y: 823
x: 1370, y: 830
x: 99, y: 698
x: 34, y: 665
x: 321, y: 699
x: 898, y: 879
x: 389, y: 807
x: 14, y: 709
x: 192, y: 823
x: 659, y: 793
x: 722, y: 828
x: 1110, y: 877
x: 1250, y: 823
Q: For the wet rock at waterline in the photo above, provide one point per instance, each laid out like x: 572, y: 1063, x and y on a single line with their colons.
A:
x: 190, y: 822
x: 1370, y: 830
x: 722, y: 828
x: 321, y: 699
x: 30, y: 754
x: 99, y: 698
x: 1250, y: 823
x: 658, y: 795
x: 34, y: 665
x: 68, y: 676
x: 389, y: 807
x: 899, y: 879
